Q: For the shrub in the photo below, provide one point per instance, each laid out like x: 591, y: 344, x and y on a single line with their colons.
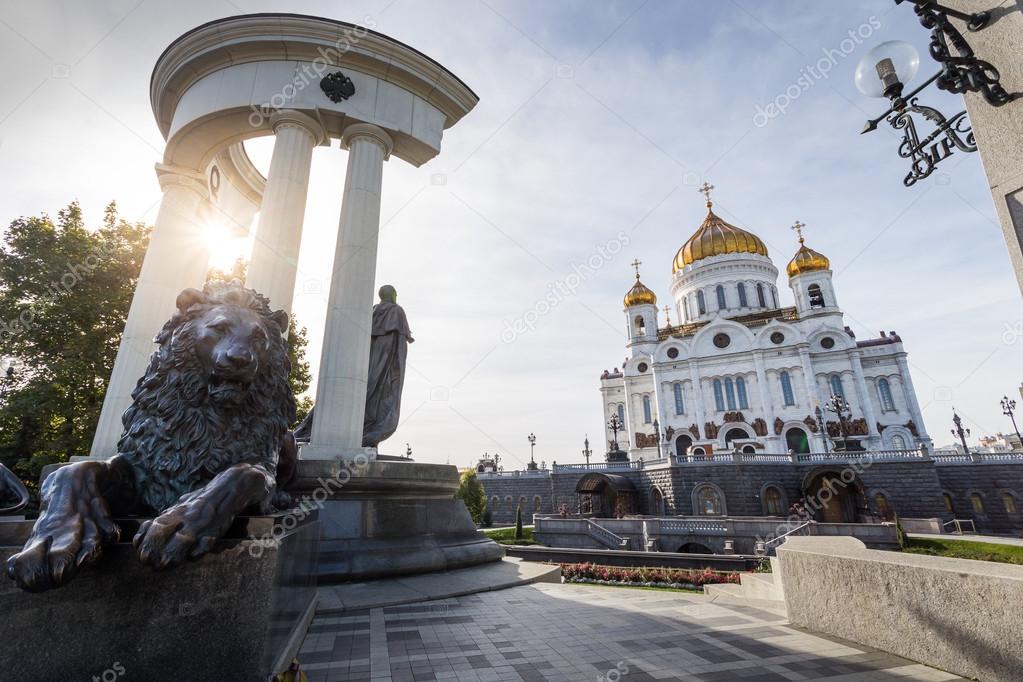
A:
x: 518, y: 522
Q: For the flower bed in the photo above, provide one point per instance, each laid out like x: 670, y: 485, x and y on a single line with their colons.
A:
x: 678, y: 578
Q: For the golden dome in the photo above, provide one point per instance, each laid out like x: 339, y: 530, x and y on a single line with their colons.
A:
x: 807, y: 260
x: 715, y: 237
x: 639, y: 295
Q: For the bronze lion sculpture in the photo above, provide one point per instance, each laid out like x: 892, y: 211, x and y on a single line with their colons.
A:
x: 205, y: 438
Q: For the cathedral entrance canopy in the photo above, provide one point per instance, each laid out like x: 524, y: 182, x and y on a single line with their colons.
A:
x: 597, y: 483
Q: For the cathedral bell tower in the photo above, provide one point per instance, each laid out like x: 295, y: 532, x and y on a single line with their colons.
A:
x: 641, y: 312
x: 810, y: 279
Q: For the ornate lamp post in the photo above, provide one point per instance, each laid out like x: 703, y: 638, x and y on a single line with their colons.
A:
x: 615, y: 454
x: 586, y: 449
x: 532, y: 443
x: 960, y: 431
x: 1009, y: 410
x: 819, y: 414
x: 840, y: 407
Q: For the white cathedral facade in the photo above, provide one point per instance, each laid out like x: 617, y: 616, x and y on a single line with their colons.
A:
x: 739, y: 372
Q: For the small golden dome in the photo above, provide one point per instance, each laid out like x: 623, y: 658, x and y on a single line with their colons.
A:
x: 639, y: 295
x: 715, y: 237
x: 807, y: 260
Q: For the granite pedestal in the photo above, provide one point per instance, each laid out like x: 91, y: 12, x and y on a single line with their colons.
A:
x: 238, y: 613
x: 387, y: 518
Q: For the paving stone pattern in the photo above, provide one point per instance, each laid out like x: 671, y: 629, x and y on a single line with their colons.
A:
x: 572, y: 632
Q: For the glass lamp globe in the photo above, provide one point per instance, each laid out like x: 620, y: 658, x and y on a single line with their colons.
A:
x: 893, y: 54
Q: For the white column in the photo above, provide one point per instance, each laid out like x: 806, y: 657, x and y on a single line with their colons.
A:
x: 344, y: 363
x: 867, y: 405
x: 177, y: 258
x: 694, y: 377
x: 274, y: 262
x: 914, y: 404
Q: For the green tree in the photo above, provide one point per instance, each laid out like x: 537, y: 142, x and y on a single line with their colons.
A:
x: 518, y: 522
x: 64, y: 295
x: 470, y: 491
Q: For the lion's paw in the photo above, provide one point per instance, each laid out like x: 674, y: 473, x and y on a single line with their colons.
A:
x: 60, y: 544
x: 185, y: 531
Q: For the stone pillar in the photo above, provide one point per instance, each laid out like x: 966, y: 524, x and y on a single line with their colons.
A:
x: 694, y: 377
x: 177, y: 258
x: 999, y: 130
x: 344, y: 363
x: 812, y: 394
x: 866, y: 404
x: 274, y: 261
x: 913, y: 403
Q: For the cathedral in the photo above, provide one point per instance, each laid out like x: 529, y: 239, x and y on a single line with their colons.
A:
x: 738, y: 372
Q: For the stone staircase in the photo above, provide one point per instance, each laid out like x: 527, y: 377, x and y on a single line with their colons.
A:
x: 762, y: 590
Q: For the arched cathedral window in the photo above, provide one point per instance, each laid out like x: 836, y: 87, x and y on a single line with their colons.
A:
x: 774, y: 296
x: 621, y: 415
x: 679, y: 405
x: 743, y: 303
x: 816, y: 296
x: 720, y: 290
x: 760, y: 295
x: 836, y: 386
x: 719, y: 398
x: 640, y: 325
x: 884, y: 391
x: 647, y: 418
x: 730, y: 394
x: 701, y: 303
x: 786, y: 389
x: 740, y: 388
x: 685, y: 308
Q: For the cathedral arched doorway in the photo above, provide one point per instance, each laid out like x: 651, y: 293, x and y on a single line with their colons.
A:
x: 656, y: 501
x: 797, y: 441
x: 832, y: 498
x: 682, y: 445
x: 606, y: 495
x: 735, y: 434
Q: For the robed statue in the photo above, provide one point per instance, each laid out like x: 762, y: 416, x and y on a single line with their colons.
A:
x: 388, y: 350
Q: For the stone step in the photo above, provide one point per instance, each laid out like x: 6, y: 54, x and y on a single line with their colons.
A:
x: 735, y: 595
x: 762, y: 586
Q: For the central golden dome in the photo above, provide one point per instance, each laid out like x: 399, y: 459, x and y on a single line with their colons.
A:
x: 715, y: 237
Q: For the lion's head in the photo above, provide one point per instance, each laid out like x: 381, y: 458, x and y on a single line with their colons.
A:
x: 215, y: 393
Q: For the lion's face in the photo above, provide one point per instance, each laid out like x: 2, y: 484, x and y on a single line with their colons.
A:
x: 231, y: 344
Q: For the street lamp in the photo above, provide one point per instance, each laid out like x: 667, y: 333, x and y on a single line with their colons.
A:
x: 819, y: 413
x: 960, y: 431
x: 840, y: 407
x: 532, y: 443
x: 887, y: 68
x: 586, y: 448
x: 1009, y: 410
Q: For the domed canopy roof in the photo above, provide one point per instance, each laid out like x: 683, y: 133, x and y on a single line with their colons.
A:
x: 639, y: 295
x: 716, y: 237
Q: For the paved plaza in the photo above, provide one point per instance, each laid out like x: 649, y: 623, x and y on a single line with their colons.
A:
x: 573, y: 632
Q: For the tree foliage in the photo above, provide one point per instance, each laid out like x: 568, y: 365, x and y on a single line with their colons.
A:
x: 65, y: 291
x: 64, y: 295
x: 470, y: 491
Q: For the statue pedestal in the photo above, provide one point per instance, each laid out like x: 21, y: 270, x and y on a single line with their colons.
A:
x: 328, y: 452
x: 389, y: 518
x: 238, y: 613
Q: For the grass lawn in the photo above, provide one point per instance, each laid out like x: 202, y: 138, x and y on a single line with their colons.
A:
x: 506, y: 536
x: 966, y: 549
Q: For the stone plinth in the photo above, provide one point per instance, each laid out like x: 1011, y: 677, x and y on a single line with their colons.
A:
x: 238, y: 613
x: 389, y: 518
x: 956, y: 614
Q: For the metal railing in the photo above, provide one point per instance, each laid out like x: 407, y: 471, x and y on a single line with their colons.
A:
x: 691, y: 526
x: 959, y: 525
x: 606, y: 537
x: 801, y: 529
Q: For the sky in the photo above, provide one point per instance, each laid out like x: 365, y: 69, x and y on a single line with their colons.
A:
x: 596, y: 123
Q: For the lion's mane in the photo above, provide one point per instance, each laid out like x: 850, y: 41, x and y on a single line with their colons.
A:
x: 175, y: 437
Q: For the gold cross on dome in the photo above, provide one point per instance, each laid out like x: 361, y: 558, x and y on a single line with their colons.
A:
x: 798, y: 227
x: 705, y: 191
x: 636, y: 263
